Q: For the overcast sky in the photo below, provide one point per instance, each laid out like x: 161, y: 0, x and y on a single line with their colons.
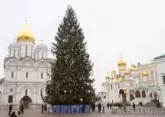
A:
x: 136, y: 28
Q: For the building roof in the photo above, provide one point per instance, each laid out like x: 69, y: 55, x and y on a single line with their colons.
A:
x: 159, y: 57
x: 14, y: 45
x: 2, y: 80
x: 41, y: 46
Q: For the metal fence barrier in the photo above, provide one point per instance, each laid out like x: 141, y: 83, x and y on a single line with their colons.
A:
x: 143, y: 111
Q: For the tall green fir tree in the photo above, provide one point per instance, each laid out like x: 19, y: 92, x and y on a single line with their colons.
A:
x: 71, y: 71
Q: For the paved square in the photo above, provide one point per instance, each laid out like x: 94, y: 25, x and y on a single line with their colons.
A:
x: 37, y: 113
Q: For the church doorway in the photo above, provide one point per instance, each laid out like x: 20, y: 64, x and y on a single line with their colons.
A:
x: 25, y: 101
x: 123, y: 94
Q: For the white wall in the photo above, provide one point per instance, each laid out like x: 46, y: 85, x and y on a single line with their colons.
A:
x: 40, y: 54
x: 26, y: 47
x: 160, y: 68
x: 19, y: 83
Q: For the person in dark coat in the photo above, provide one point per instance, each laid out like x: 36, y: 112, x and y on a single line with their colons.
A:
x: 93, y: 107
x: 108, y: 105
x: 19, y: 112
x: 45, y: 108
x: 99, y: 107
x: 13, y: 114
x: 133, y: 106
x: 42, y: 108
x: 22, y: 108
x: 10, y: 109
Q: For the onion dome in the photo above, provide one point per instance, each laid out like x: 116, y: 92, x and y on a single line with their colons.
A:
x: 126, y: 72
x: 107, y: 78
x: 132, y: 68
x: 144, y: 73
x: 121, y: 63
x: 14, y: 45
x: 25, y: 34
x: 41, y: 46
x: 113, y: 71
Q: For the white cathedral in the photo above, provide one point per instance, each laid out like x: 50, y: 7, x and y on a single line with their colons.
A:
x: 27, y: 70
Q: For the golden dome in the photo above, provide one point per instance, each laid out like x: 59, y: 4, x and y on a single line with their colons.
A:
x: 113, y: 70
x: 121, y: 63
x: 144, y: 73
x: 126, y: 72
x: 132, y: 68
x: 107, y: 77
x: 25, y: 34
x: 119, y: 79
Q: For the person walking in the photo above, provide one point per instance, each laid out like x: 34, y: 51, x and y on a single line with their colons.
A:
x: 13, y: 114
x: 45, y: 108
x: 93, y: 106
x: 42, y: 108
x: 22, y: 108
x: 133, y: 106
x: 19, y: 112
x: 99, y: 107
x: 10, y: 109
x: 108, y: 105
x: 141, y: 104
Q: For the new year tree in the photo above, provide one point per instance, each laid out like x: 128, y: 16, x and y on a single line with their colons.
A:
x: 71, y: 71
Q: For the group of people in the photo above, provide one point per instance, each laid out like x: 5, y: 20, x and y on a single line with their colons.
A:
x: 109, y: 105
x: 93, y: 107
x: 101, y: 108
x: 13, y: 114
x: 45, y: 108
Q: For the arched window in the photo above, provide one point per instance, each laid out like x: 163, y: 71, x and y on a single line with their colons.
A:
x: 41, y: 75
x: 150, y: 95
x: 137, y: 94
x: 143, y: 94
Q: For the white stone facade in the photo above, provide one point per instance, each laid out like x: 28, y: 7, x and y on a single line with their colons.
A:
x: 27, y: 70
x: 160, y: 73
x: 25, y: 74
x: 134, y: 85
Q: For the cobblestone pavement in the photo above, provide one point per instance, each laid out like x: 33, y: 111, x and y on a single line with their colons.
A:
x: 37, y: 113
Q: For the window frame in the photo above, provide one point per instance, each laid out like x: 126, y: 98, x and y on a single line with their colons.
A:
x: 42, y: 75
x: 12, y: 74
x: 27, y: 74
x: 10, y: 99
